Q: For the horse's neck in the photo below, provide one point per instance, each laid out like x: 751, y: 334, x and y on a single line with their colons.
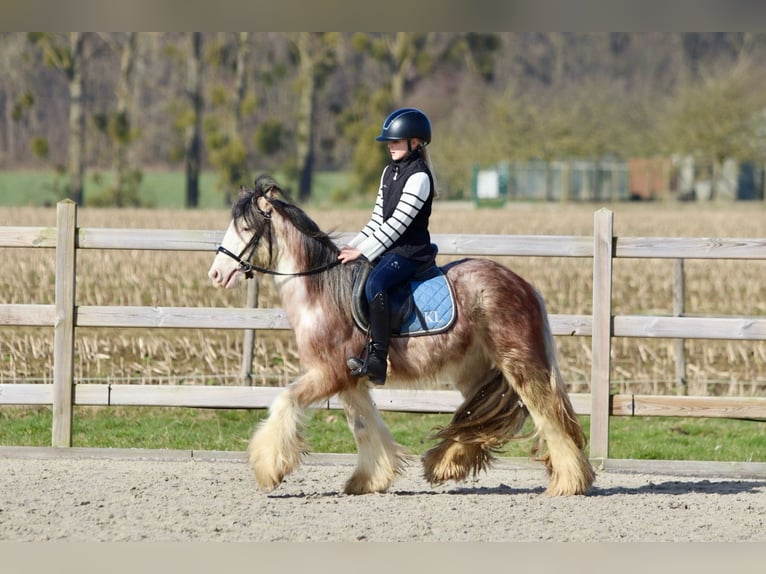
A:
x: 304, y: 309
x: 292, y: 290
x: 308, y: 314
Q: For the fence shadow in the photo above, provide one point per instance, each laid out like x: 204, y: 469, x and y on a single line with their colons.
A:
x: 682, y: 487
x: 670, y: 487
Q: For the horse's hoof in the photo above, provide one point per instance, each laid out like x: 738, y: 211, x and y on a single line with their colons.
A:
x: 443, y: 472
x: 356, y: 486
x: 267, y: 483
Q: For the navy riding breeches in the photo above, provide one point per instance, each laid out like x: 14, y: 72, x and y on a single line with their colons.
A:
x: 391, y: 270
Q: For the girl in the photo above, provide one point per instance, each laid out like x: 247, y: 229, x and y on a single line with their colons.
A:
x: 396, y: 239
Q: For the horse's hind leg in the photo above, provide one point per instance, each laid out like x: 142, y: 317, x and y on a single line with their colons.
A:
x: 380, y: 459
x: 545, y: 395
x: 526, y: 354
x: 277, y: 445
x: 542, y: 390
x: 555, y: 421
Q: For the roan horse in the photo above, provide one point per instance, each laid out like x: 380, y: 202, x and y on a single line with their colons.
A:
x: 500, y: 354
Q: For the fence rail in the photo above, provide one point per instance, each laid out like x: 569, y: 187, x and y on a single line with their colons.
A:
x: 603, y: 247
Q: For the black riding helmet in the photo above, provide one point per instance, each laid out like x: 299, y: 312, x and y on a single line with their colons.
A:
x: 404, y: 124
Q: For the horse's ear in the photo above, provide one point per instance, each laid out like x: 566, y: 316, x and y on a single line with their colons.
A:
x: 244, y: 190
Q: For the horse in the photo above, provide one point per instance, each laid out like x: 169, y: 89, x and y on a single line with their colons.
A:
x: 499, y: 353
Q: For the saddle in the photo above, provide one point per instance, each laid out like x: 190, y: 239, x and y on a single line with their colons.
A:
x: 424, y: 305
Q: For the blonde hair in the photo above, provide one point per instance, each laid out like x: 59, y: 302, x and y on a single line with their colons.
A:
x: 427, y: 158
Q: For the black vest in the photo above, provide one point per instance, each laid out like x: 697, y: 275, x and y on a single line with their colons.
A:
x: 415, y: 242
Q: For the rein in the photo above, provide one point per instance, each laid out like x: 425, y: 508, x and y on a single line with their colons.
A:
x: 247, y: 268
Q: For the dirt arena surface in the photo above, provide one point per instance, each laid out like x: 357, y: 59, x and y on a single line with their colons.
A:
x: 86, y: 495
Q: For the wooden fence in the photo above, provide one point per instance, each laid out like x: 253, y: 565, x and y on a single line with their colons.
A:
x: 603, y: 247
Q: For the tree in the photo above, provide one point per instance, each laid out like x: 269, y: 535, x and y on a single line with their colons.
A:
x: 16, y: 100
x: 192, y: 139
x: 223, y: 126
x: 118, y: 126
x: 716, y: 118
x: 315, y: 54
x: 126, y: 185
x: 67, y: 57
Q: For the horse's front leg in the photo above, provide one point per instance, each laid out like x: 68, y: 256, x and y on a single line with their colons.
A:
x: 380, y: 459
x: 277, y: 446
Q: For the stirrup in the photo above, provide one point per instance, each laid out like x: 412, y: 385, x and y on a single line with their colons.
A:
x: 358, y: 365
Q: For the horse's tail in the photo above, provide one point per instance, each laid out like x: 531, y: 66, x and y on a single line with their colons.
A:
x: 488, y: 418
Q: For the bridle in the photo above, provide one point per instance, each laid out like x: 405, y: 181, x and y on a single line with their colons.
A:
x: 248, y: 268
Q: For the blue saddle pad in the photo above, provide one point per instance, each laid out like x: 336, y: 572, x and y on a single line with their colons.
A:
x: 433, y: 310
x: 425, y: 305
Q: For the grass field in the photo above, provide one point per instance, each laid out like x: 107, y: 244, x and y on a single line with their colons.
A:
x: 159, y: 188
x: 657, y: 438
x: 168, y: 356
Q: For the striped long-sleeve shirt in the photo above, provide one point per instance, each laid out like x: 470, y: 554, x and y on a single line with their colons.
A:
x: 399, y: 221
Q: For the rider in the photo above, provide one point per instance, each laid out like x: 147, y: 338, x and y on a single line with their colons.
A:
x: 396, y: 239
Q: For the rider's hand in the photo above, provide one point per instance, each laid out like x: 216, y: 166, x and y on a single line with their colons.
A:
x: 348, y: 254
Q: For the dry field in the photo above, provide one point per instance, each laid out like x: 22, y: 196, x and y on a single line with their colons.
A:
x: 168, y: 356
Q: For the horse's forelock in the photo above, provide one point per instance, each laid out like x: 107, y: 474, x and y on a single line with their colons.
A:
x: 267, y: 186
x: 246, y: 217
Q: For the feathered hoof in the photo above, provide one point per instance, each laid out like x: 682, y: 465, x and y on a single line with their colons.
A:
x: 452, y: 461
x: 267, y: 483
x: 361, y: 485
x: 269, y: 467
x: 377, y: 474
x: 566, y: 490
x: 442, y: 474
x: 573, y: 484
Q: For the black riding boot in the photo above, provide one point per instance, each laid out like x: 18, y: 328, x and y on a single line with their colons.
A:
x: 375, y: 365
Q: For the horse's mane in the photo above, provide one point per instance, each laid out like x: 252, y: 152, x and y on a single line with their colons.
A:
x: 316, y: 247
x: 267, y: 187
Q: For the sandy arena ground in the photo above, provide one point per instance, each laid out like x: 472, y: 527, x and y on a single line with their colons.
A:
x: 179, y: 496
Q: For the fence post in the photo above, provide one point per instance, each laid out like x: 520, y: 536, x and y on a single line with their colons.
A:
x: 248, y: 342
x: 601, y: 340
x: 63, y: 338
x: 679, y: 345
